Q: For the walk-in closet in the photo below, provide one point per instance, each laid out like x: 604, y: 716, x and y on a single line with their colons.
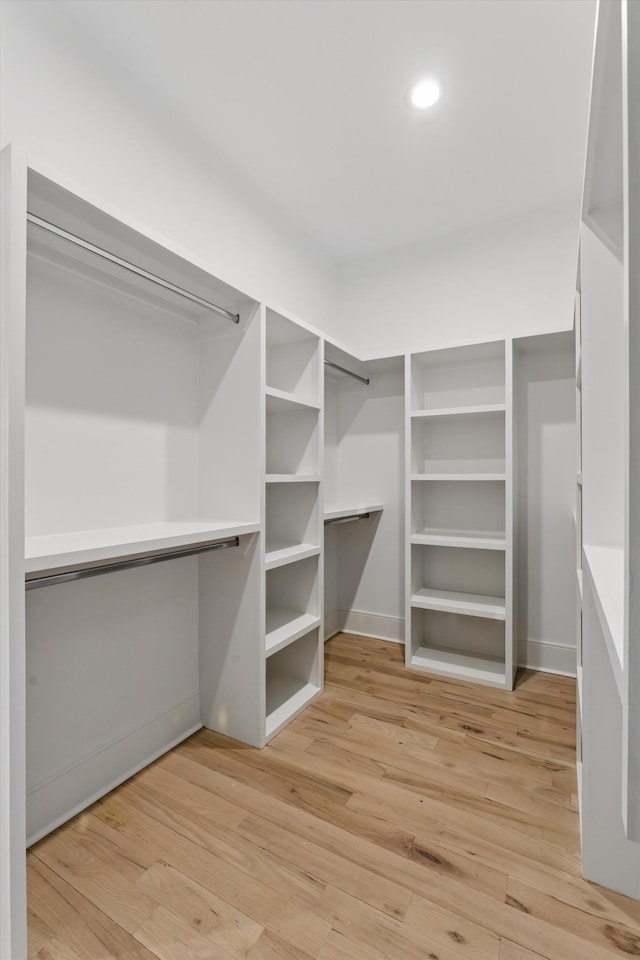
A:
x: 319, y: 541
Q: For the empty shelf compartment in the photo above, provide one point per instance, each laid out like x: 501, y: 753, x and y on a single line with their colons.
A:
x: 458, y: 377
x: 293, y: 358
x: 293, y: 679
x: 465, y: 647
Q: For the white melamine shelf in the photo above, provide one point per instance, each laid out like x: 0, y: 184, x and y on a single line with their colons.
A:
x: 456, y: 663
x: 606, y: 569
x: 337, y: 513
x: 292, y: 478
x: 285, y: 626
x: 283, y: 401
x: 467, y: 604
x: 286, y: 698
x: 472, y: 539
x: 95, y: 546
x: 279, y: 554
x: 460, y: 476
x: 466, y: 411
x: 579, y: 579
x: 579, y: 479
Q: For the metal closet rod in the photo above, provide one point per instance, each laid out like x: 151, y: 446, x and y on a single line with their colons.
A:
x: 349, y: 373
x: 349, y: 519
x: 131, y: 267
x: 85, y: 572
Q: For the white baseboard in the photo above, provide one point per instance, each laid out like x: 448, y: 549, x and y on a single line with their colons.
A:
x: 331, y: 624
x: 533, y: 654
x: 365, y: 625
x: 548, y: 657
x: 57, y: 799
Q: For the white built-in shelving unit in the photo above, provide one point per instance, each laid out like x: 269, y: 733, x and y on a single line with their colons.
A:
x: 292, y: 565
x: 140, y: 371
x: 607, y: 516
x: 458, y: 506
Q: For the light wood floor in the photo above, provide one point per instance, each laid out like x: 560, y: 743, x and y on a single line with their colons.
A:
x: 401, y: 816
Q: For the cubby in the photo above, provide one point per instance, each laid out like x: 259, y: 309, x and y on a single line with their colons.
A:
x: 292, y: 440
x: 458, y: 378
x: 292, y: 521
x: 458, y: 445
x: 293, y: 678
x: 455, y: 645
x: 458, y: 514
x: 292, y: 602
x: 464, y: 580
x: 292, y: 359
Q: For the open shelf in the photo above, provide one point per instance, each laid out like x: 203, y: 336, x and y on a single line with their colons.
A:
x: 293, y: 360
x: 284, y: 626
x: 466, y: 604
x: 467, y: 444
x: 292, y: 518
x: 292, y: 478
x: 471, y: 539
x: 461, y: 665
x: 468, y: 477
x: 94, y: 546
x: 292, y: 441
x: 281, y: 554
x: 465, y: 376
x: 466, y: 411
x: 338, y: 513
x: 460, y: 513
x: 457, y: 644
x: 470, y: 582
x: 292, y: 680
x: 281, y: 401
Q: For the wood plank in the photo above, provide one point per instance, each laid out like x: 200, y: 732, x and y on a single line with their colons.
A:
x: 77, y: 923
x: 400, y: 815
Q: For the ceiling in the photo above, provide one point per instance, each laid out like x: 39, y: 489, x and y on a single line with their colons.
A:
x: 304, y: 101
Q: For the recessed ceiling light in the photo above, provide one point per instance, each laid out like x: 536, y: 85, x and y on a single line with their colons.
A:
x: 424, y: 93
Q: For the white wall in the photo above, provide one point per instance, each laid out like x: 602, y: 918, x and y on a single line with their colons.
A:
x: 82, y: 116
x: 509, y: 278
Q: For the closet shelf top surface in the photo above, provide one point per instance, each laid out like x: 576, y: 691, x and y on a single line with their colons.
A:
x: 459, y: 476
x: 467, y: 410
x: 469, y: 604
x: 479, y: 539
x: 337, y: 512
x: 89, y: 546
x: 606, y: 569
x: 282, y: 401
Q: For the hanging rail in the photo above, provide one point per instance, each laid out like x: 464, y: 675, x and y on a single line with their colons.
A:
x: 85, y: 572
x: 349, y: 519
x: 349, y: 373
x: 131, y: 267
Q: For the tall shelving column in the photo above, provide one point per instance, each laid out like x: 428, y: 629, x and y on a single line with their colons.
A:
x: 293, y: 512
x: 609, y: 300
x: 578, y: 527
x: 458, y: 501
